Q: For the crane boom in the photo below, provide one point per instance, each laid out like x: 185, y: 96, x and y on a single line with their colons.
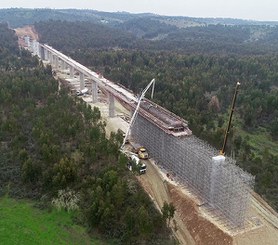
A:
x: 137, y: 109
x: 222, y: 151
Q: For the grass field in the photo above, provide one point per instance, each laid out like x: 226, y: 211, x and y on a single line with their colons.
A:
x: 21, y: 223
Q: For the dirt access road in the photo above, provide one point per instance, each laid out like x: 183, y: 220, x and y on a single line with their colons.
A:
x: 158, y: 190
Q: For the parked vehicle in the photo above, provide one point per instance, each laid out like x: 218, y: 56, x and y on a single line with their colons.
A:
x: 135, y: 162
x: 140, y: 150
x: 81, y: 92
x: 142, y: 153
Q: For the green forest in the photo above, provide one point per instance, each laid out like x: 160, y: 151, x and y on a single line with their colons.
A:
x: 53, y: 146
x: 53, y: 150
x: 197, y: 84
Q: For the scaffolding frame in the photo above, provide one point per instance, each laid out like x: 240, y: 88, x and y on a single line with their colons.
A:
x: 224, y: 187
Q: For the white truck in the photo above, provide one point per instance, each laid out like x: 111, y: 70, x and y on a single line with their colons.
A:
x: 81, y: 92
x: 134, y: 161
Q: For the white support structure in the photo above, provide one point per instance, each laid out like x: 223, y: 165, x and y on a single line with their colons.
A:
x: 27, y: 41
x: 111, y: 105
x: 56, y: 62
x: 216, y: 162
x: 35, y: 48
x: 71, y: 72
x: 64, y: 65
x: 94, y: 91
x: 53, y: 61
x: 50, y: 58
x: 46, y: 55
x: 82, y: 81
x: 137, y: 109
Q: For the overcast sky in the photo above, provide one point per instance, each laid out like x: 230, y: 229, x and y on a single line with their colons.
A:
x: 242, y: 9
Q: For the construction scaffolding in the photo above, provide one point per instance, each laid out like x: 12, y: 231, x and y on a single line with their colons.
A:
x: 221, y: 184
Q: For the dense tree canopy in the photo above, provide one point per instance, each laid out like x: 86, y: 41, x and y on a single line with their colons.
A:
x: 53, y: 146
x: 198, y: 84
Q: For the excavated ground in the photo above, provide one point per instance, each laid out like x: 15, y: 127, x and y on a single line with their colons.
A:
x: 26, y: 31
x: 193, y: 224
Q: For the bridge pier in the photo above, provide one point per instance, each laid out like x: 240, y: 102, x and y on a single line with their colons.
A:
x: 71, y: 72
x: 216, y: 162
x: 27, y: 41
x: 64, y: 65
x: 82, y: 81
x: 41, y: 52
x: 111, y: 106
x: 46, y: 54
x: 56, y: 62
x: 94, y: 91
x: 35, y: 48
x: 50, y: 58
x: 53, y: 60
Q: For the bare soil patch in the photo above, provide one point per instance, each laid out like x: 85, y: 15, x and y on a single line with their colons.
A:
x: 27, y: 31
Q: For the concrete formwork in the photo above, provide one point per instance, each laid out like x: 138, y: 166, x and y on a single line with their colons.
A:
x: 224, y: 186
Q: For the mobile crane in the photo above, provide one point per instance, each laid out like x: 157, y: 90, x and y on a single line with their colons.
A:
x: 137, y: 109
x: 130, y: 155
x: 222, y: 151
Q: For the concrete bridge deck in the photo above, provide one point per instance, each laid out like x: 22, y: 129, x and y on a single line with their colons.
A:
x: 161, y: 117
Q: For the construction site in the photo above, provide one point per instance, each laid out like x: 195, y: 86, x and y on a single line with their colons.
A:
x: 214, y: 198
x: 220, y: 185
x: 215, y: 202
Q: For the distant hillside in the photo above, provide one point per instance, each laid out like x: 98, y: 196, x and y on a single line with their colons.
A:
x: 151, y: 32
x: 154, y: 35
x: 64, y: 35
x: 17, y: 17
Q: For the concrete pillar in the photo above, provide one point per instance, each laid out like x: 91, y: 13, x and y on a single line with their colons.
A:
x: 46, y: 54
x: 71, y: 72
x: 35, y: 48
x: 216, y: 162
x: 56, y: 62
x: 82, y: 81
x: 42, y: 53
x: 38, y: 49
x: 50, y: 58
x: 111, y: 106
x: 32, y: 46
x: 27, y: 41
x: 64, y: 65
x: 94, y: 91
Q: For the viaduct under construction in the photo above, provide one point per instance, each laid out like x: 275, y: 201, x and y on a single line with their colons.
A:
x: 222, y: 186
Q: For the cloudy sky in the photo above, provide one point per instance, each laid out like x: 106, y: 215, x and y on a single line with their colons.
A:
x: 243, y: 9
